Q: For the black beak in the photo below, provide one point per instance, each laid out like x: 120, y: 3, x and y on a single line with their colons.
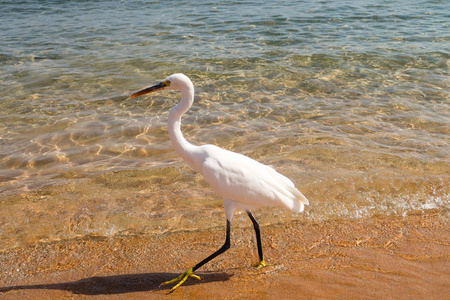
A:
x: 158, y: 87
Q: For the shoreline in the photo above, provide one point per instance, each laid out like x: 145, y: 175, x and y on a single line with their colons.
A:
x: 377, y: 257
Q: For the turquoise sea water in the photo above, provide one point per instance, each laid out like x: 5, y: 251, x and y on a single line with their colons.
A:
x: 350, y: 99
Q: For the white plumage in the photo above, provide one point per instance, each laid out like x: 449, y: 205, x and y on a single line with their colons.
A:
x: 244, y: 183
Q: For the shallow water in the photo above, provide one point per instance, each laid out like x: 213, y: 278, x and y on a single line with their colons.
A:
x: 350, y: 99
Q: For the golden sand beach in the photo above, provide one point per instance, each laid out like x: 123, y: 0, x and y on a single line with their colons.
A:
x: 371, y: 258
x: 348, y: 99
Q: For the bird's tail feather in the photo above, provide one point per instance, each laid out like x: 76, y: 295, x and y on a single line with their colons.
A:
x: 287, y: 188
x: 299, y: 202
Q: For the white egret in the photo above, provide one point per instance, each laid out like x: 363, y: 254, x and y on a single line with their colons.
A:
x: 244, y: 183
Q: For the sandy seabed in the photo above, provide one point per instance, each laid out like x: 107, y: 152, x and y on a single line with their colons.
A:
x: 372, y: 258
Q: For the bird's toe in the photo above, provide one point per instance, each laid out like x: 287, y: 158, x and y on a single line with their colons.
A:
x: 262, y: 264
x: 182, y: 278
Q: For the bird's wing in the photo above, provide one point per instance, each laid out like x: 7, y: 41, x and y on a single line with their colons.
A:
x: 248, y: 182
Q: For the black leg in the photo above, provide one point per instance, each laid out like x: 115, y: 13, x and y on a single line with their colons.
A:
x: 222, y: 249
x: 189, y: 273
x: 258, y: 236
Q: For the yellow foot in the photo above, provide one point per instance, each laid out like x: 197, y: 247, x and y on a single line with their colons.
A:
x: 261, y: 264
x: 182, y: 278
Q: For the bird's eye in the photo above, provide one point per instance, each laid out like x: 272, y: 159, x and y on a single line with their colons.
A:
x: 166, y: 83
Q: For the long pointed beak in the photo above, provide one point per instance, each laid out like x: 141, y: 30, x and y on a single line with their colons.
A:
x: 157, y: 87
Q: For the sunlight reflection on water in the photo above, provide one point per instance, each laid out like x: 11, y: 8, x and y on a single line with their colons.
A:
x: 348, y: 99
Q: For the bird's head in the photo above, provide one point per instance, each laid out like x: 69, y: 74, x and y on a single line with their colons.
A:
x: 175, y: 82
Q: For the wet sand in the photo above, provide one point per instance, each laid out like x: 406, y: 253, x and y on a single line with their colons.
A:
x: 372, y: 258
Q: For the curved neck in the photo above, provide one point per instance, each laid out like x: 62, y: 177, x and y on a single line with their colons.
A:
x: 179, y: 143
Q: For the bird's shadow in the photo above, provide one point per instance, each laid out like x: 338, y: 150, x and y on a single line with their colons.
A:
x: 119, y: 284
